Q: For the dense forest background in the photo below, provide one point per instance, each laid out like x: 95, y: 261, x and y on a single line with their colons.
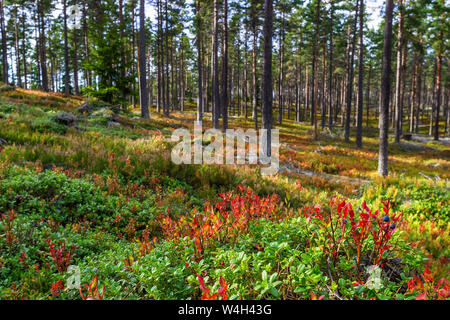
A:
x: 326, y: 61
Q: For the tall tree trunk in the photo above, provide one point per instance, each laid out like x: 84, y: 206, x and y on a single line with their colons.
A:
x: 323, y: 88
x: 75, y: 62
x: 16, y: 47
x: 172, y: 70
x: 245, y: 75
x: 224, y: 79
x: 398, y: 78
x: 122, y: 51
x: 150, y: 78
x: 182, y: 82
x: 385, y: 91
x: 43, y: 52
x: 215, y: 68
x: 438, y: 93
x: 238, y: 75
x: 417, y: 101
x: 87, y: 74
x: 432, y: 98
x: 413, y: 92
x: 24, y: 49
x: 37, y: 31
x: 368, y: 94
x: 280, y: 74
x: 438, y: 76
x: 330, y: 73
x: 167, y: 58
x: 199, y: 63
x: 266, y: 81
x: 159, y: 44
x: 254, y: 94
x: 360, y: 77
x: 133, y: 51
x: 143, y: 97
x: 66, y: 52
x: 314, y: 71
x: 207, y: 75
x: 349, y: 93
x: 4, y: 47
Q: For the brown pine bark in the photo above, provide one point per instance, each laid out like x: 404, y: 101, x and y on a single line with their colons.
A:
x: 360, y: 77
x: 385, y: 91
x: 143, y: 96
x: 266, y: 81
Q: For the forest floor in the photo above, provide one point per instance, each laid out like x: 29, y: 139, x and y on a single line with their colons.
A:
x: 103, y: 192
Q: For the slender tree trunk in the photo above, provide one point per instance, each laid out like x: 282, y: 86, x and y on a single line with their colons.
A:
x: 87, y: 74
x: 438, y: 93
x: 385, y: 91
x: 215, y: 68
x: 238, y: 74
x: 167, y: 58
x: 43, y: 51
x: 160, y: 86
x: 75, y: 62
x: 245, y: 75
x: 280, y: 74
x: 150, y: 78
x: 330, y: 73
x: 438, y: 76
x: 398, y: 80
x: 368, y: 94
x: 432, y: 98
x: 360, y: 77
x: 37, y: 31
x: 66, y: 52
x: 224, y: 79
x: 207, y: 69
x: 16, y: 47
x: 323, y: 88
x: 143, y: 97
x: 24, y: 49
x: 349, y: 93
x: 266, y: 81
x: 254, y: 94
x: 4, y: 47
x: 417, y: 101
x: 182, y: 82
x: 172, y: 76
x: 308, y: 93
x: 314, y: 71
x: 413, y: 94
x: 122, y: 51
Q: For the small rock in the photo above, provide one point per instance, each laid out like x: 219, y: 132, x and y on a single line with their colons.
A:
x: 65, y: 118
x: 112, y: 124
x: 86, y: 107
x: 105, y: 113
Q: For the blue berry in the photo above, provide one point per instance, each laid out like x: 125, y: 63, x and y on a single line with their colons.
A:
x: 386, y: 218
x: 392, y: 226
